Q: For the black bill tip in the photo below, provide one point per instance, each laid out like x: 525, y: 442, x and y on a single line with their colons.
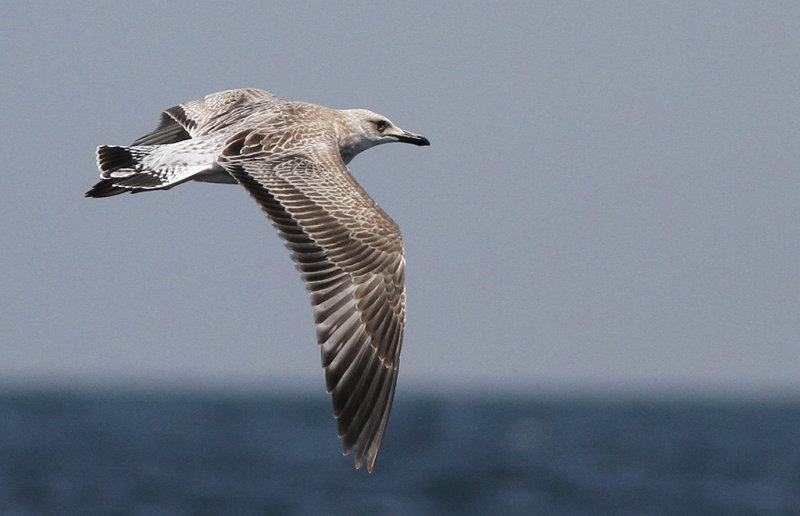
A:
x: 415, y: 139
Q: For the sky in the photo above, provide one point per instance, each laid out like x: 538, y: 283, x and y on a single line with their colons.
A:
x: 610, y: 201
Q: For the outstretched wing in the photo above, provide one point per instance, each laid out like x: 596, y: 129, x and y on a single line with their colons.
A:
x: 350, y: 255
x: 192, y: 118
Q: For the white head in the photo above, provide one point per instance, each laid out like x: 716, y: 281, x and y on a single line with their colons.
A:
x: 364, y: 129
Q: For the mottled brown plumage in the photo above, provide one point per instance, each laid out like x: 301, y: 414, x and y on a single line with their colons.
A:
x: 292, y: 157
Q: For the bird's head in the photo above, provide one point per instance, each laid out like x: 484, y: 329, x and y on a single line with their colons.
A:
x: 364, y: 129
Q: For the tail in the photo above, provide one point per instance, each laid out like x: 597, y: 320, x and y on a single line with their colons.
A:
x: 123, y: 169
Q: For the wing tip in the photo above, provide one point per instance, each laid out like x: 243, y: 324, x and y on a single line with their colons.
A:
x: 360, y: 458
x: 105, y: 188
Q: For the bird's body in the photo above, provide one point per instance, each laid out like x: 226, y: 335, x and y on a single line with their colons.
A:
x: 292, y: 157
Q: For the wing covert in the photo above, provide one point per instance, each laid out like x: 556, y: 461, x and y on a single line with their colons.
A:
x: 350, y: 256
x: 193, y: 118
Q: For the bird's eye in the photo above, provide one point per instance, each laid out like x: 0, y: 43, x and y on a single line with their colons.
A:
x: 381, y: 125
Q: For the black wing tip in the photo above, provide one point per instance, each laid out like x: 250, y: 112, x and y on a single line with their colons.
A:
x: 364, y: 435
x: 167, y: 132
x: 105, y: 188
x: 359, y: 458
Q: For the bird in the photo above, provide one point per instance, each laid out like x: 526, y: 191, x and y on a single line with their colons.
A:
x: 292, y: 157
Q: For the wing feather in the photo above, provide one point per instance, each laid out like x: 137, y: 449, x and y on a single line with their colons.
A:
x: 193, y: 118
x: 350, y: 256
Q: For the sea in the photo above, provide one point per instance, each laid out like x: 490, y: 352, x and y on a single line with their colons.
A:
x: 184, y: 453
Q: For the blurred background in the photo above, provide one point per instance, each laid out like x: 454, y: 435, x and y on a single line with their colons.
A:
x: 602, y: 247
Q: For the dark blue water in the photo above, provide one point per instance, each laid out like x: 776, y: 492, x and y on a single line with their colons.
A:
x: 180, y: 454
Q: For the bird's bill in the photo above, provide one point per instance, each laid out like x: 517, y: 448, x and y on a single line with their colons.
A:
x: 416, y: 139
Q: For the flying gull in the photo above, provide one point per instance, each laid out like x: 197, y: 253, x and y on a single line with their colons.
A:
x: 292, y: 157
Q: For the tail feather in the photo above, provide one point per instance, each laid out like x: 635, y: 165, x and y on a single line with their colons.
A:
x: 122, y: 170
x: 139, y: 168
x: 111, y: 158
x: 118, y: 161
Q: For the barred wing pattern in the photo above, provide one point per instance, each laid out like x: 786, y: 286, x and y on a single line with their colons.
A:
x: 197, y: 117
x: 292, y: 157
x: 350, y: 255
x: 185, y: 144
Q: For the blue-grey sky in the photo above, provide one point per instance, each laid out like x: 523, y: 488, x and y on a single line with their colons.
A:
x: 611, y: 198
